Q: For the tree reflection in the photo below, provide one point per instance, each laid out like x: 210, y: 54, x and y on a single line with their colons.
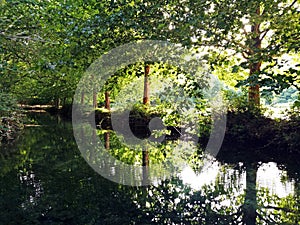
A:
x: 221, y: 202
x: 67, y: 191
x: 145, y: 164
x: 173, y: 202
x: 250, y: 203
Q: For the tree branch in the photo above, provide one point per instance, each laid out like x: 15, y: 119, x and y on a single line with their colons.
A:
x: 291, y: 5
x: 247, y: 50
x: 244, y: 31
x: 244, y: 55
x: 280, y: 208
x: 264, y: 34
x: 267, y: 221
x: 12, y: 23
x: 287, y: 8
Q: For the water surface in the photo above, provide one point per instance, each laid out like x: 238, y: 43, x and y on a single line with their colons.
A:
x: 45, y: 180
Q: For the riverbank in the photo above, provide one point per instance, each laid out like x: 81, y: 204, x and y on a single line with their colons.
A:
x: 245, y: 130
x: 10, y: 125
x: 13, y: 121
x: 263, y: 132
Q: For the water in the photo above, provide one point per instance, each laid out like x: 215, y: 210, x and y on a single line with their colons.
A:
x: 45, y: 180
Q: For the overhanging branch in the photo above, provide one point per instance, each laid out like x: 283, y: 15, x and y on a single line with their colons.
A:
x: 264, y: 33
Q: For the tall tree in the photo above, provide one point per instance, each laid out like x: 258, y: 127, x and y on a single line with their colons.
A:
x: 257, y: 32
x: 62, y: 38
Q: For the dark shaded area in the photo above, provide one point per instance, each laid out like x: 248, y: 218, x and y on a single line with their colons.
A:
x: 266, y: 139
x: 245, y: 131
x: 138, y: 123
x: 46, y: 181
x: 65, y: 111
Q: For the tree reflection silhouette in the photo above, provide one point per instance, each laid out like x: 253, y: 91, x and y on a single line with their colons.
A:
x: 72, y: 193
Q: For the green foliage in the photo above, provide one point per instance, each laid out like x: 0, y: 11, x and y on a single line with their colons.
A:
x: 8, y: 104
x: 47, y: 45
x: 132, y: 155
x: 296, y: 104
x: 10, y: 117
x: 230, y: 27
x: 284, y: 210
x: 236, y: 100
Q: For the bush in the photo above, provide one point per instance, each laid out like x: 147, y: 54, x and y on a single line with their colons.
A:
x: 236, y: 100
x: 8, y: 104
x: 10, y: 117
x: 296, y: 105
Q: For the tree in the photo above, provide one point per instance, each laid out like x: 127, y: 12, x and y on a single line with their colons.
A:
x: 260, y: 31
x: 63, y: 37
x: 45, y: 46
x: 257, y: 32
x: 19, y: 38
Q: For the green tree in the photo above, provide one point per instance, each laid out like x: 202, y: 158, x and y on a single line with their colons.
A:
x: 258, y: 32
x: 59, y: 39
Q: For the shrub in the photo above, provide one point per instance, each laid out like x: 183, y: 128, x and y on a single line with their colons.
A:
x: 10, y: 117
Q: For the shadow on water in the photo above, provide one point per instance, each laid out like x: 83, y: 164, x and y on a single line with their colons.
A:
x: 45, y: 180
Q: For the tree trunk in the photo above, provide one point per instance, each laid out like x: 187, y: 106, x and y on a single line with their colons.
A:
x: 145, y: 157
x: 146, y: 99
x: 107, y: 100
x: 64, y: 101
x: 106, y: 139
x: 56, y: 103
x: 250, y: 202
x: 145, y: 164
x: 95, y: 105
x: 255, y: 64
x: 82, y: 98
x: 253, y: 93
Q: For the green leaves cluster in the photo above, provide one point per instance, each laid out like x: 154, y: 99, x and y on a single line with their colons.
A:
x: 10, y: 117
x: 47, y: 45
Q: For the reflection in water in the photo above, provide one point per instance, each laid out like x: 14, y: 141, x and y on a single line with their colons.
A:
x: 28, y: 180
x: 268, y: 176
x: 145, y: 164
x: 107, y: 140
x: 48, y: 182
x: 271, y: 177
x: 197, y: 181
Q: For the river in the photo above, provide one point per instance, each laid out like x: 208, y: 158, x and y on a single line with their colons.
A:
x: 46, y: 180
